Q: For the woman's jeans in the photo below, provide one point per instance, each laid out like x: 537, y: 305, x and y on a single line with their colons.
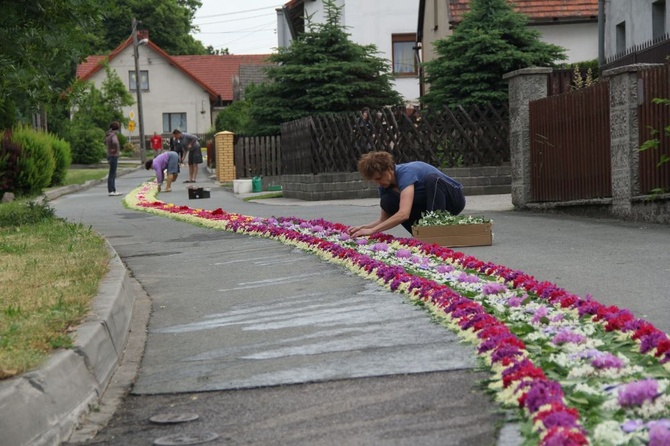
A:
x: 440, y: 195
x: 113, y: 162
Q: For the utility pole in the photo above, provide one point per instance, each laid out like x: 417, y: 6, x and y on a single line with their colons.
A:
x: 138, y: 90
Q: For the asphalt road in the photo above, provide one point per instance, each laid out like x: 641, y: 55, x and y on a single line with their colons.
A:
x: 270, y: 345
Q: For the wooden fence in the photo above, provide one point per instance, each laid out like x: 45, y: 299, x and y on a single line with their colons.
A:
x: 477, y: 135
x: 257, y: 156
x: 653, y: 119
x: 570, y: 145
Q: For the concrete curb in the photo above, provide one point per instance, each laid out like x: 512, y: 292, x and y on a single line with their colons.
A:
x: 56, y: 192
x: 43, y: 407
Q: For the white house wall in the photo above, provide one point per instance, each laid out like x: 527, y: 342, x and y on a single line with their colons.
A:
x: 170, y: 91
x: 374, y: 22
x: 637, y: 15
x: 579, y: 39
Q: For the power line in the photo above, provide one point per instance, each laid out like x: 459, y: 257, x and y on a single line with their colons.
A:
x: 236, y: 12
x: 233, y: 20
x: 253, y: 28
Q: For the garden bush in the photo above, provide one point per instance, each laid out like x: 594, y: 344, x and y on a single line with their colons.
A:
x: 36, y: 163
x: 62, y: 157
x: 10, y: 152
x: 88, y: 144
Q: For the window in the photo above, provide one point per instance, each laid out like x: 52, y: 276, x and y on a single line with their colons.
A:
x: 144, y: 80
x: 621, y: 38
x: 404, y: 57
x: 658, y: 18
x: 173, y: 121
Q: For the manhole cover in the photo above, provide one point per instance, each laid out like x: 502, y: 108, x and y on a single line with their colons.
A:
x: 179, y: 439
x: 172, y: 418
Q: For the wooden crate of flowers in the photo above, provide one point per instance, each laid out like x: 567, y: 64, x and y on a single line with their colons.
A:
x: 453, y: 230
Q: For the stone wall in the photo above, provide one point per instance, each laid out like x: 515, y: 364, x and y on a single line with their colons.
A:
x: 350, y: 185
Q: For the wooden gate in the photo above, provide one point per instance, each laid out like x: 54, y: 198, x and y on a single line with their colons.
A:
x: 570, y: 145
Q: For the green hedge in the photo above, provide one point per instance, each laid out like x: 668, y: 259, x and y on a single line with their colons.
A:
x: 36, y: 162
x: 63, y: 158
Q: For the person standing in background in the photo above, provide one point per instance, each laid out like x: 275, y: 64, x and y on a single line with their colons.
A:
x: 157, y: 144
x: 175, y: 146
x: 113, y: 152
x: 191, y: 146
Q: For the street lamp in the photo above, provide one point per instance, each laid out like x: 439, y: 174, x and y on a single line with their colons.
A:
x: 138, y: 89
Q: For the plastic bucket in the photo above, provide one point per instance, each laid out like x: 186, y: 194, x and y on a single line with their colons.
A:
x: 244, y: 187
x: 257, y: 184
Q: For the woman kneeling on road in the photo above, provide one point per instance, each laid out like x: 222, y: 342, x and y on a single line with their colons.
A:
x: 166, y: 160
x: 406, y: 191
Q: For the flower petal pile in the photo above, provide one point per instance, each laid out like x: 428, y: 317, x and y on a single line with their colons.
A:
x: 578, y: 372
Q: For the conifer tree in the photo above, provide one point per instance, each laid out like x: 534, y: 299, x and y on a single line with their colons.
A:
x: 492, y: 40
x: 322, y: 71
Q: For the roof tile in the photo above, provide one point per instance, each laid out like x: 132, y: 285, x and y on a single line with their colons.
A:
x: 215, y: 73
x: 536, y: 10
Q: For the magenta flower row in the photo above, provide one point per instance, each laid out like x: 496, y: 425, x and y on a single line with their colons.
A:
x: 542, y: 398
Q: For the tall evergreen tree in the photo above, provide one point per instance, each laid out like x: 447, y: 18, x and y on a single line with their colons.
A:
x: 321, y: 72
x: 492, y: 40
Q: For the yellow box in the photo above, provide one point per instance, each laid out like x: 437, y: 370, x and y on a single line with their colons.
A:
x: 453, y: 236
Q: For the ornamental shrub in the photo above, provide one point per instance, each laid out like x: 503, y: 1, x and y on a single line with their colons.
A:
x: 88, y: 144
x: 10, y: 152
x: 36, y: 163
x: 62, y: 157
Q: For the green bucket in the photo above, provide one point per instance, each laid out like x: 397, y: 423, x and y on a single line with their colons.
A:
x: 256, y: 184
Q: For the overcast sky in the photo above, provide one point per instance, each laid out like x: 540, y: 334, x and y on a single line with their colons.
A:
x: 244, y: 27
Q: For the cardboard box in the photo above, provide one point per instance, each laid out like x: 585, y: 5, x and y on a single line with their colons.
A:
x: 198, y: 192
x: 454, y: 236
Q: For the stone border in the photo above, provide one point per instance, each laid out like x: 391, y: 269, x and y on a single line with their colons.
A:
x: 44, y: 406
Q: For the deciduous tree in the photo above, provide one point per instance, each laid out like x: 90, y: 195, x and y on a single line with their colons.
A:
x: 41, y: 43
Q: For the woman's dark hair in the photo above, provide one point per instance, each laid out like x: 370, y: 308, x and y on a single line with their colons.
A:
x: 114, y: 125
x: 149, y: 164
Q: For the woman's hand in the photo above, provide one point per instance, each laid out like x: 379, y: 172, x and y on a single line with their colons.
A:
x: 360, y: 231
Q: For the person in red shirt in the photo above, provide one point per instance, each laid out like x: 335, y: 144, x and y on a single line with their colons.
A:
x: 157, y: 144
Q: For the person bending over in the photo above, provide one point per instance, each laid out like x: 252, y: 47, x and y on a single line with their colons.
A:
x: 192, y: 148
x: 406, y: 191
x: 165, y: 161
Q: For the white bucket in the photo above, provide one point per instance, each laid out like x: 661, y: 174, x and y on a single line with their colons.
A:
x: 244, y: 187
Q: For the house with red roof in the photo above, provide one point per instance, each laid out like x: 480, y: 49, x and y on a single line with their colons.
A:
x: 184, y: 92
x: 571, y: 24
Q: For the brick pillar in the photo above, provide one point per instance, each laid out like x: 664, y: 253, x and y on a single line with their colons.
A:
x: 225, y: 149
x: 525, y: 85
x: 625, y: 96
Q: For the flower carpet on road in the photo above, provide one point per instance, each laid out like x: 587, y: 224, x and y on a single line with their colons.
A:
x: 574, y: 370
